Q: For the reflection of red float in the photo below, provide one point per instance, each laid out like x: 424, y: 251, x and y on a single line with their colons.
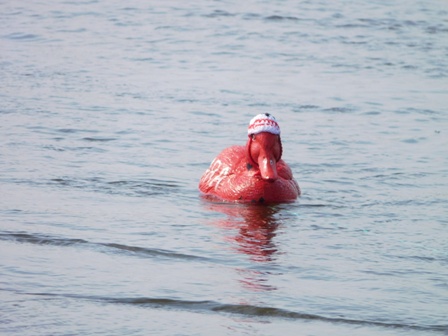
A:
x: 251, y: 230
x: 255, y: 172
x: 252, y: 227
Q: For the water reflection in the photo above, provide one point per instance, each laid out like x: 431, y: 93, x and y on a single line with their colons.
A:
x: 251, y: 232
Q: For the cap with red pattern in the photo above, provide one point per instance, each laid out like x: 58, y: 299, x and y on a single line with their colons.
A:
x: 264, y: 122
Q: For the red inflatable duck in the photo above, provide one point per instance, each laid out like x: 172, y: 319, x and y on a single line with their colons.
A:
x: 255, y: 172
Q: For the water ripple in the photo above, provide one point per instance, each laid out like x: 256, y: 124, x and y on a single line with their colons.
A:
x: 281, y: 18
x: 247, y: 310
x: 23, y: 37
x: 142, y: 252
x: 138, y: 188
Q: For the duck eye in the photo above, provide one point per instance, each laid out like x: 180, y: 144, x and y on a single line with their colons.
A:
x: 253, y: 136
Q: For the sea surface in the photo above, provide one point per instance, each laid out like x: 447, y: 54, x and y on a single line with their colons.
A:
x: 110, y: 111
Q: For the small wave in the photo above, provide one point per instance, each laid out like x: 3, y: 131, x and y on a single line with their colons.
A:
x: 436, y: 29
x: 218, y: 13
x: 132, y: 188
x: 91, y: 139
x: 151, y: 252
x: 138, y: 188
x: 314, y: 205
x: 281, y: 18
x: 68, y: 130
x: 372, y: 113
x: 40, y: 239
x: 305, y: 107
x: 209, y: 306
x: 23, y: 37
x: 338, y: 109
x: 73, y: 131
x: 143, y: 252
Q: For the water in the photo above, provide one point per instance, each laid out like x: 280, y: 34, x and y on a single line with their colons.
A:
x: 111, y: 111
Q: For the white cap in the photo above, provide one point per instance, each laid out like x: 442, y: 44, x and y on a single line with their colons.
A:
x: 264, y: 122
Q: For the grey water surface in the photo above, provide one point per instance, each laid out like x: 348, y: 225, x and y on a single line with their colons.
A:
x: 110, y: 111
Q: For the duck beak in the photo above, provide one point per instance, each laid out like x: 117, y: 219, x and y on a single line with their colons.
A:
x: 268, y: 167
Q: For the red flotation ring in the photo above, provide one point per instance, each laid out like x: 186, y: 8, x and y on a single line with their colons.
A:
x: 255, y: 172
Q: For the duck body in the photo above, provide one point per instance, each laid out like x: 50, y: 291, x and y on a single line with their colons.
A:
x: 233, y: 176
